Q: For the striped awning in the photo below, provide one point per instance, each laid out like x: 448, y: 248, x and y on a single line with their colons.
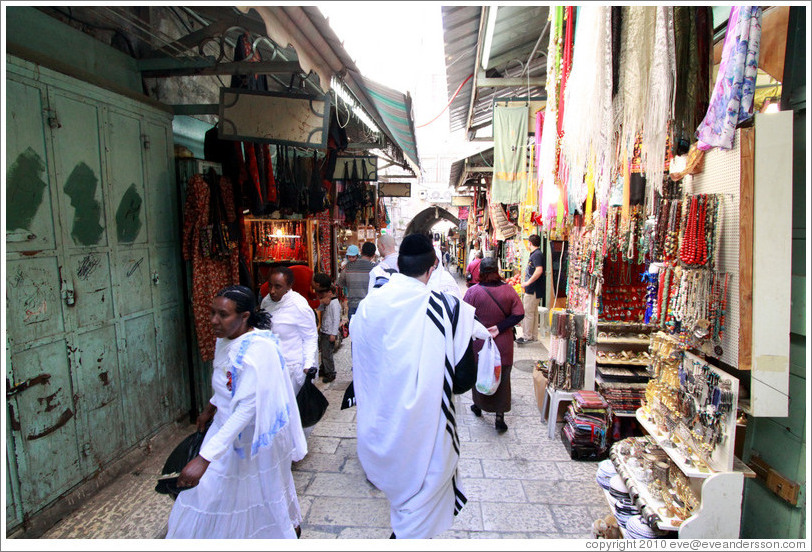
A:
x: 395, y: 110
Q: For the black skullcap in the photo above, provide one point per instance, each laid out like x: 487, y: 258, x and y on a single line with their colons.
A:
x: 416, y: 244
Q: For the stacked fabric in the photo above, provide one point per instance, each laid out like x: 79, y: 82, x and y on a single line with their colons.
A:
x: 587, y: 423
x: 606, y: 471
x: 623, y: 398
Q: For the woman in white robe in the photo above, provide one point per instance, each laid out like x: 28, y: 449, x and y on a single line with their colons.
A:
x: 241, y: 485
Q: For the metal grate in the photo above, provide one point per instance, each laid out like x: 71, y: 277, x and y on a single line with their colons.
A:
x: 722, y: 175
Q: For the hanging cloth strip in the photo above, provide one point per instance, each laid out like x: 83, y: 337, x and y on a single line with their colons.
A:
x: 732, y: 101
x: 510, y: 155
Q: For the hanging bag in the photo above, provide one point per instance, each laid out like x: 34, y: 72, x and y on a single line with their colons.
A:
x: 177, y: 460
x: 312, y: 402
x: 489, y: 368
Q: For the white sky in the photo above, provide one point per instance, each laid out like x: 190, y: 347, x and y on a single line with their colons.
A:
x: 400, y: 44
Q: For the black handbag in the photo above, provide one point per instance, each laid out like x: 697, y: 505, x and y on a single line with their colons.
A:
x: 349, y: 397
x: 312, y: 402
x: 177, y: 460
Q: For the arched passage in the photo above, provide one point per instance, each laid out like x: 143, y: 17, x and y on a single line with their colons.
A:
x: 427, y: 218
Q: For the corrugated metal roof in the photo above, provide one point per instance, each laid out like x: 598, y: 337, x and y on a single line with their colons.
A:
x: 516, y: 34
x: 481, y: 159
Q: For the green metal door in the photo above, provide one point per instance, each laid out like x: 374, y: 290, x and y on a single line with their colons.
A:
x: 94, y: 331
x: 41, y: 412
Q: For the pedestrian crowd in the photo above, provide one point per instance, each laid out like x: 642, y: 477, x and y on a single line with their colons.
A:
x: 415, y: 344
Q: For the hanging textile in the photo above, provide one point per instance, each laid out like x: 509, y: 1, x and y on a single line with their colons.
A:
x: 562, y: 169
x: 659, y: 105
x: 588, y: 132
x: 693, y: 35
x: 510, y: 155
x: 732, y: 101
x: 636, y: 52
x: 549, y: 137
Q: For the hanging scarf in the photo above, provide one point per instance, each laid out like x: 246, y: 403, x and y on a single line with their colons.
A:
x: 732, y: 101
x: 587, y: 130
x: 693, y: 34
x: 659, y: 105
x: 549, y: 135
x: 636, y: 53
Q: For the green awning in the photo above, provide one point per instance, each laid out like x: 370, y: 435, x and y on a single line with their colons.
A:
x: 395, y: 110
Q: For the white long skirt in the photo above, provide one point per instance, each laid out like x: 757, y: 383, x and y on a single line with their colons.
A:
x: 241, y: 498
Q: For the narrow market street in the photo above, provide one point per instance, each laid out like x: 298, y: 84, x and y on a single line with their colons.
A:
x: 519, y: 484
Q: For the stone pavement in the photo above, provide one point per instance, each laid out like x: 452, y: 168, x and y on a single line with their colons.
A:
x: 519, y: 484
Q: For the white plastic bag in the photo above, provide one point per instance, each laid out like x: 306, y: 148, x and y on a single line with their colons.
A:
x: 489, y: 368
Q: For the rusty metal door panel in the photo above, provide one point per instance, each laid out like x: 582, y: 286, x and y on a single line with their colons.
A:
x: 161, y: 190
x: 98, y: 389
x: 13, y: 516
x: 125, y: 143
x: 142, y: 378
x: 79, y: 171
x: 41, y: 412
x: 29, y: 218
x: 171, y: 344
x: 33, y: 301
x: 93, y: 291
x: 133, y: 280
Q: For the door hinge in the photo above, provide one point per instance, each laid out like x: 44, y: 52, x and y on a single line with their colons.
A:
x: 145, y: 141
x: 53, y: 119
x: 165, y: 400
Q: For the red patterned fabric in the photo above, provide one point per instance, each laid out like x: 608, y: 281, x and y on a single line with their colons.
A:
x: 208, y: 275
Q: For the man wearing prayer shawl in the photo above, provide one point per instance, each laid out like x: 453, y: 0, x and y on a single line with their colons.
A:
x: 408, y: 343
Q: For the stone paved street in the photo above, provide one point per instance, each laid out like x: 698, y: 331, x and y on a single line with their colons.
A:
x: 519, y: 484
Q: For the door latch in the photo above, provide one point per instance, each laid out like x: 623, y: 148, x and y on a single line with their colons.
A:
x: 53, y: 120
x: 155, y: 278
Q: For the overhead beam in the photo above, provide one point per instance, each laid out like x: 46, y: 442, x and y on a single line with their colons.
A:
x: 196, y: 109
x: 170, y: 67
x: 484, y: 82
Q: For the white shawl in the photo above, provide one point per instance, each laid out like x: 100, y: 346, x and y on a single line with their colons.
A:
x: 404, y: 353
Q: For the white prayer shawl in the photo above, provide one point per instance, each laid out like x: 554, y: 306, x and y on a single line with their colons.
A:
x: 390, y: 262
x: 294, y: 322
x: 404, y: 353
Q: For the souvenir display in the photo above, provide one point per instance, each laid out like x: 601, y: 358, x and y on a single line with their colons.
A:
x: 567, y: 350
x: 586, y: 425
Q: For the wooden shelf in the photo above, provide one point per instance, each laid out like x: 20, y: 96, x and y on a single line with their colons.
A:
x: 622, y: 341
x: 672, y: 452
x: 622, y: 362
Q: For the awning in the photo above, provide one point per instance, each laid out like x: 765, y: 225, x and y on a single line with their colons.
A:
x: 395, y: 109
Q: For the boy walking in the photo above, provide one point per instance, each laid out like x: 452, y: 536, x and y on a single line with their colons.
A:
x: 330, y: 319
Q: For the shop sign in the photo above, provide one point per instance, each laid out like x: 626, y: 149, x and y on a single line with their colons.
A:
x: 462, y: 201
x: 292, y: 119
x: 394, y: 189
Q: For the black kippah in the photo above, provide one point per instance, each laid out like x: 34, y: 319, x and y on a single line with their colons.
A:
x: 416, y: 244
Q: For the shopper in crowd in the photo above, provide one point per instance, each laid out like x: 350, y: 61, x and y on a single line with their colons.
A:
x: 499, y: 308
x: 533, y: 291
x: 240, y: 484
x: 472, y: 271
x: 441, y: 279
x: 368, y: 252
x: 354, y: 279
x: 302, y: 279
x: 388, y: 264
x: 294, y: 322
x: 406, y: 351
x: 328, y: 332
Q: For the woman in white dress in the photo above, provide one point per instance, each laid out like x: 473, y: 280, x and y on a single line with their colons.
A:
x: 240, y: 485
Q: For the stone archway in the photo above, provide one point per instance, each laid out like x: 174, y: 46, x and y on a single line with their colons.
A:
x: 423, y: 221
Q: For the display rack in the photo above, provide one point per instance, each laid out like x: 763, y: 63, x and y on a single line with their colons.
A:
x: 280, y: 242
x: 718, y: 515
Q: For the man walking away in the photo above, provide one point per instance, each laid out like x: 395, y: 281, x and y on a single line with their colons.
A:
x: 388, y: 264
x: 355, y: 279
x: 533, y: 291
x: 368, y: 252
x: 408, y: 345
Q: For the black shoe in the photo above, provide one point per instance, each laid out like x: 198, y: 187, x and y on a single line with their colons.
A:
x: 523, y: 341
x: 500, y: 424
x: 476, y: 410
x: 327, y: 378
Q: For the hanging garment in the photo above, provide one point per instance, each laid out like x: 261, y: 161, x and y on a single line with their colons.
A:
x: 510, y: 155
x: 208, y: 275
x: 660, y: 103
x: 588, y: 132
x: 732, y: 101
x: 693, y: 33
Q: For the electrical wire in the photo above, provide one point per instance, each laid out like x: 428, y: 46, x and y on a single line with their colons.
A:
x: 449, y: 102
